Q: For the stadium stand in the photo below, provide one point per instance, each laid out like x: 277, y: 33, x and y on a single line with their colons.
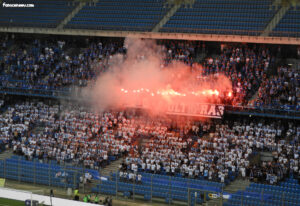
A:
x: 184, y: 146
x: 66, y: 144
x: 222, y: 17
x: 286, y: 193
x: 121, y: 15
x: 43, y: 14
x: 289, y: 25
x: 246, y: 66
x: 168, y: 188
x: 84, y: 65
x: 281, y: 90
x: 18, y: 168
x: 208, y: 17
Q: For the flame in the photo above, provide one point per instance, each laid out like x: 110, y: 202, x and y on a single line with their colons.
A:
x: 171, y: 92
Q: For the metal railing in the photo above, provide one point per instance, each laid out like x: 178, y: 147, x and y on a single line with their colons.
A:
x: 167, y: 189
x: 152, y: 187
x: 276, y: 111
x: 35, y: 172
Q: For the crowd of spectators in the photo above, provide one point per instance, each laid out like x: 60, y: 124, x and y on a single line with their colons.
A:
x: 281, y: 90
x: 246, y: 66
x: 215, y: 150
x: 183, y: 51
x: 221, y: 154
x: 43, y: 66
x: 56, y: 64
x: 71, y: 135
x: 60, y: 64
x: 17, y: 121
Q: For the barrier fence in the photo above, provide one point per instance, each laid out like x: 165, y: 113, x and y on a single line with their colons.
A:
x: 150, y: 187
x: 191, y: 191
x: 275, y: 111
x: 36, y: 172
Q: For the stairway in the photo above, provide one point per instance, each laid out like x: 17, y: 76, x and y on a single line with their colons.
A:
x: 112, y: 167
x: 266, y: 156
x: 166, y: 18
x: 277, y: 17
x: 200, y: 57
x: 238, y: 184
x: 71, y: 15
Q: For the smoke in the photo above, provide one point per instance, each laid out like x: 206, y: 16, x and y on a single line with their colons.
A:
x: 140, y: 78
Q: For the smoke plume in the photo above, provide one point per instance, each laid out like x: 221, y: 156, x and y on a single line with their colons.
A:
x: 140, y: 79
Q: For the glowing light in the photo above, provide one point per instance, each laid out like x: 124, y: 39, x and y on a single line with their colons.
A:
x: 216, y: 93
x: 171, y: 92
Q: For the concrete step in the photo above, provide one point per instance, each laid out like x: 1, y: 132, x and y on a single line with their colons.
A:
x: 237, y: 184
x: 166, y: 18
x: 266, y: 156
x: 113, y: 167
x: 200, y: 57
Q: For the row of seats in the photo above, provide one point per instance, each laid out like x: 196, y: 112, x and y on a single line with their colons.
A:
x: 214, y: 18
x: 21, y: 160
x: 224, y: 23
x: 231, y: 29
x: 115, y: 16
x: 127, y: 15
x: 39, y: 173
x: 260, y: 198
x: 181, y: 179
x: 168, y: 192
x: 232, y: 2
x: 287, y: 193
x: 100, y: 20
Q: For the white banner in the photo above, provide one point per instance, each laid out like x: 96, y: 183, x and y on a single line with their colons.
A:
x: 200, y: 110
x: 186, y: 109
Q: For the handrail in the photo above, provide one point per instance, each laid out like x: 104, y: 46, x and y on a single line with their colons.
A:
x: 233, y: 109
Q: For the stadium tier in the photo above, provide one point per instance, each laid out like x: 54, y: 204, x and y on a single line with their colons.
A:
x: 43, y: 14
x: 204, y: 17
x: 163, y: 102
x: 176, y: 163
x: 222, y: 17
x: 121, y: 15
